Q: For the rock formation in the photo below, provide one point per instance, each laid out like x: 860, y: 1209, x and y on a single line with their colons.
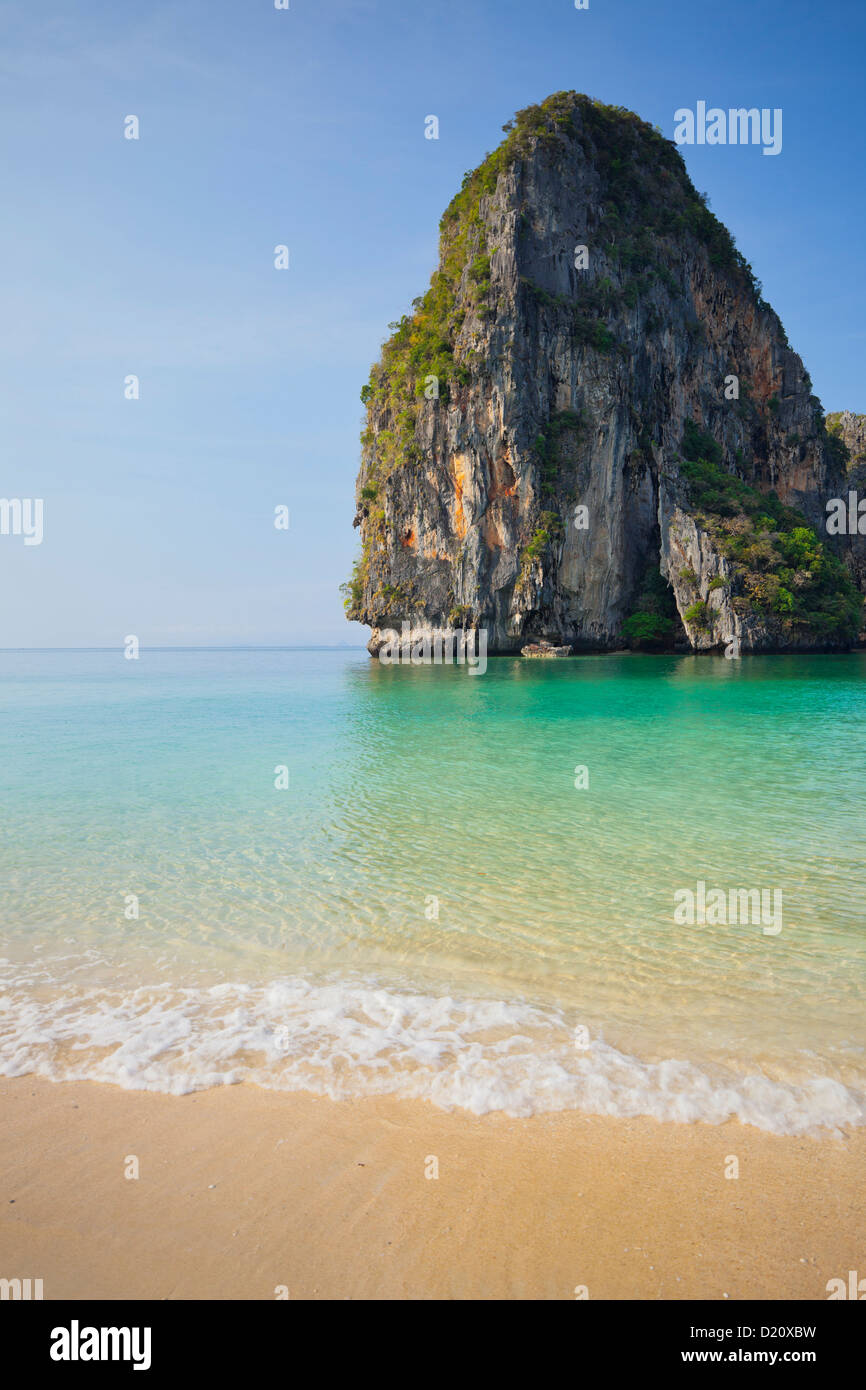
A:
x: 851, y: 429
x: 591, y: 430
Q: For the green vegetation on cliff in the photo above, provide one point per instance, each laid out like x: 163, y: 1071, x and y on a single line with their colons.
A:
x: 655, y: 621
x: 779, y: 568
x: 566, y: 425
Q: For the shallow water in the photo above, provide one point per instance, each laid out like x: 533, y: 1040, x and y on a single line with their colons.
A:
x: 433, y: 907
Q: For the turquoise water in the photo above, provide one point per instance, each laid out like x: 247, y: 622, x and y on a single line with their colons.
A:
x: 432, y: 907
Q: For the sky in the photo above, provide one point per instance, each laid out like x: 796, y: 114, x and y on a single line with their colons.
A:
x: 305, y: 127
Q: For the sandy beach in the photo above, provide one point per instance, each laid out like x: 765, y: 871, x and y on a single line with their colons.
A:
x: 242, y: 1190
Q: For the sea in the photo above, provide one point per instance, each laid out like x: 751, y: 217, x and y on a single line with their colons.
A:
x: 615, y: 884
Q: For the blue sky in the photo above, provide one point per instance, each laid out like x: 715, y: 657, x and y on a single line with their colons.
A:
x: 306, y: 127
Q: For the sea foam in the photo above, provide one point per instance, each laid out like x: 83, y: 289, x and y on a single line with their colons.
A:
x: 353, y: 1038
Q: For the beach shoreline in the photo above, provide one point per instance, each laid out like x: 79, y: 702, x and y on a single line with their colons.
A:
x: 244, y: 1193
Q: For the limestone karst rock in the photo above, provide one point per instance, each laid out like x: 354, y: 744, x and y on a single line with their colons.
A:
x: 591, y: 429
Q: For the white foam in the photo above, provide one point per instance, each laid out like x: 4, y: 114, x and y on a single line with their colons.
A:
x: 344, y: 1039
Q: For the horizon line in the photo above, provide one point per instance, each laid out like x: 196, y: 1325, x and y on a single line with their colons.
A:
x: 237, y: 647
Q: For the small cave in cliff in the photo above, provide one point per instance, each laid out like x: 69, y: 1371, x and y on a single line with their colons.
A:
x: 654, y: 623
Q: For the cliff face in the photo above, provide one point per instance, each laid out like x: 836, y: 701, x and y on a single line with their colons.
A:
x: 591, y: 429
x: 850, y: 430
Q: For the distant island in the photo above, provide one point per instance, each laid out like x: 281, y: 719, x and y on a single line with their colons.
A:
x: 591, y: 431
